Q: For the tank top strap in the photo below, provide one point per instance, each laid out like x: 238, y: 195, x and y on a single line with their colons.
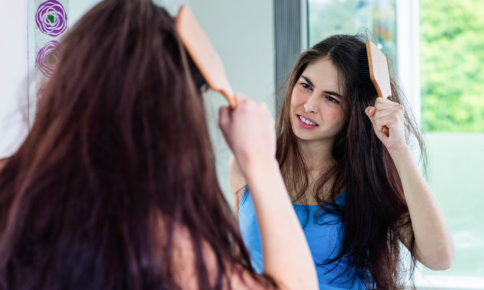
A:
x: 244, y: 196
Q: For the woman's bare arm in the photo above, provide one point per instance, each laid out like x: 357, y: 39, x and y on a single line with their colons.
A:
x: 433, y: 241
x: 249, y: 133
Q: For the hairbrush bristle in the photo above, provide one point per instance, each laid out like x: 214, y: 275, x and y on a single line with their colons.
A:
x: 365, y: 68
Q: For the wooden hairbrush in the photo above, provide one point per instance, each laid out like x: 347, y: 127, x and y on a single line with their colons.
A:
x: 374, y: 69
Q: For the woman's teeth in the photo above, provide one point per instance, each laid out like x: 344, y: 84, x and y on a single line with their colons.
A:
x: 306, y: 121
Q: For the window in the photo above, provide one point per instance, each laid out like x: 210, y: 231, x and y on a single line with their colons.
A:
x: 452, y: 61
x: 329, y: 17
x: 452, y: 86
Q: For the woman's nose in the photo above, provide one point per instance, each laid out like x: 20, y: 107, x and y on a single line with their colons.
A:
x: 311, y: 104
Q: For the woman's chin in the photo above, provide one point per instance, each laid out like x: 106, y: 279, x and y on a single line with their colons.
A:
x: 305, y: 136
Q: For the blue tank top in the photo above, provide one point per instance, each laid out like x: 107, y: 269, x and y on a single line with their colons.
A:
x: 324, y: 234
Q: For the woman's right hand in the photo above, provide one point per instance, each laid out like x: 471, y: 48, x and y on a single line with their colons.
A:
x: 249, y: 132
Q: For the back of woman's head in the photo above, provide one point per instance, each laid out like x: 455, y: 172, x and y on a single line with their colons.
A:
x: 375, y: 211
x: 119, y: 144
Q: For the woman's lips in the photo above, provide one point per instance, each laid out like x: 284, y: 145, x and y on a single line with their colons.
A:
x: 304, y: 125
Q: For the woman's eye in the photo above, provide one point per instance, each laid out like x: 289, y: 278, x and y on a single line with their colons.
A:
x: 306, y: 86
x: 332, y: 100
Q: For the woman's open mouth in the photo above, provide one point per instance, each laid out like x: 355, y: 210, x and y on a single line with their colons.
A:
x: 305, y: 122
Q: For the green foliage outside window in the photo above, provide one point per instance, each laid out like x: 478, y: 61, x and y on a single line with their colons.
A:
x: 452, y: 65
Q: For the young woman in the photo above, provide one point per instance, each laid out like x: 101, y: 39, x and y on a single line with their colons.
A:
x: 115, y: 185
x: 358, y: 193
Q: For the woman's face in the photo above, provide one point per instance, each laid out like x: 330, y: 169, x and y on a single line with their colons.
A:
x: 316, y: 103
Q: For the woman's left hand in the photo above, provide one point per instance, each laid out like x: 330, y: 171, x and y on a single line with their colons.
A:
x: 390, y: 114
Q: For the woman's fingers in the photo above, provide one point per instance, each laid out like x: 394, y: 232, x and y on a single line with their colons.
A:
x: 388, y: 120
x: 382, y: 102
x: 370, y: 111
x: 386, y: 113
x: 248, y: 130
x: 240, y: 97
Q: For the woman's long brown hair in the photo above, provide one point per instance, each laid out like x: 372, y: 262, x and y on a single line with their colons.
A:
x: 375, y: 215
x: 120, y: 139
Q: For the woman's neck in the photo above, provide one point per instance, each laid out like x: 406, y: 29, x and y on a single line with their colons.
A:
x: 317, y: 159
x: 317, y: 156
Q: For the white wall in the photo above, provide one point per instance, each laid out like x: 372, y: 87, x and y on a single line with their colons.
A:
x: 13, y: 75
x: 14, y: 69
x: 241, y: 31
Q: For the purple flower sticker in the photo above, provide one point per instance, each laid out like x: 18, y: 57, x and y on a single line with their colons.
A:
x: 47, y: 57
x: 51, y: 18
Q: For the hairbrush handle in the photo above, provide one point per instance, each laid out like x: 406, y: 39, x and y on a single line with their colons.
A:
x: 385, y: 131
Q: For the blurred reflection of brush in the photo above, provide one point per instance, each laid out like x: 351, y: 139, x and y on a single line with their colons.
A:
x: 203, y: 54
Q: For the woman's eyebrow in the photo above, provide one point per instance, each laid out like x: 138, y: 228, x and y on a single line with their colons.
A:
x: 333, y: 94
x: 308, y: 80
x: 326, y: 92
